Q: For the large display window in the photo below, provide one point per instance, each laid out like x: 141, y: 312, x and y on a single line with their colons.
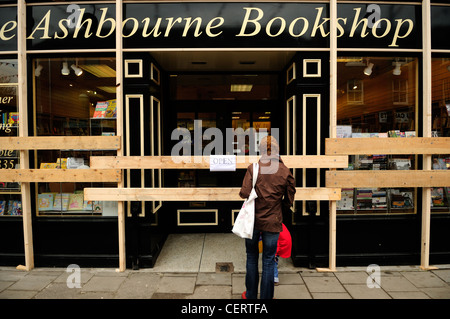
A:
x: 73, y: 97
x: 440, y: 74
x: 10, y: 193
x: 377, y: 97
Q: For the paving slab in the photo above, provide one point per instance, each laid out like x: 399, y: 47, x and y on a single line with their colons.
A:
x: 352, y: 277
x: 396, y: 283
x: 238, y: 284
x: 323, y: 284
x: 408, y: 295
x: 5, y: 284
x: 11, y: 275
x: 364, y: 292
x: 290, y: 279
x: 103, y: 283
x: 444, y: 274
x: 214, y: 279
x: 58, y: 291
x: 438, y: 292
x: 330, y: 295
x: 35, y: 282
x: 176, y: 284
x: 139, y: 286
x: 291, y: 292
x: 211, y: 292
x: 424, y: 279
x: 17, y: 294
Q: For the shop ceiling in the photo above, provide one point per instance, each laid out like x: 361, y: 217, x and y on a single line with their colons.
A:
x: 223, y: 61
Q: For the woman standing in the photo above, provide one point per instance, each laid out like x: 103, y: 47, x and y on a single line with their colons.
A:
x: 275, y: 187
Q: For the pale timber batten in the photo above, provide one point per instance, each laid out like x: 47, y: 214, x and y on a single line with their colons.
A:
x: 60, y: 143
x: 389, y: 178
x: 409, y: 146
x: 60, y: 175
x: 191, y: 193
x: 202, y: 162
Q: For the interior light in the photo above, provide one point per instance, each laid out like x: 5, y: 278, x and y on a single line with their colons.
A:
x: 37, y: 71
x: 397, y: 70
x: 77, y: 70
x: 368, y: 69
x: 241, y: 87
x: 65, y: 69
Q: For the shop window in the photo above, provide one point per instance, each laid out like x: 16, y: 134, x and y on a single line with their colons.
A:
x: 73, y: 97
x: 440, y: 196
x: 10, y: 193
x: 376, y: 98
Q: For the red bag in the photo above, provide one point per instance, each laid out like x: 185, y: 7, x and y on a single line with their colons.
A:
x: 284, y: 243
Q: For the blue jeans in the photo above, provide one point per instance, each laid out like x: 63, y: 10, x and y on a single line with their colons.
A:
x: 270, y: 241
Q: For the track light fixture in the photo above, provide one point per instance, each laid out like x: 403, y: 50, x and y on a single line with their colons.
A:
x: 397, y: 70
x: 37, y: 71
x: 65, y: 69
x: 77, y: 70
x: 368, y: 69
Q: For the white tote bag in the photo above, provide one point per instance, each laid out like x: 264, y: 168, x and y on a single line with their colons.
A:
x: 243, y: 226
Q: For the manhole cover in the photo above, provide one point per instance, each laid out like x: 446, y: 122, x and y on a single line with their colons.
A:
x: 224, y: 267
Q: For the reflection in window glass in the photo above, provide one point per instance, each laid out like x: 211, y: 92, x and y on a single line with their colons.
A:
x: 10, y: 196
x: 377, y: 98
x: 73, y: 97
x: 440, y: 196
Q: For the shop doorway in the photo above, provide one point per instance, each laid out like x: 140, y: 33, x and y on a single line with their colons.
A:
x: 208, y: 89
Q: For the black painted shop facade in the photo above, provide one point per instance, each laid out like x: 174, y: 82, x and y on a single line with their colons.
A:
x: 177, y: 60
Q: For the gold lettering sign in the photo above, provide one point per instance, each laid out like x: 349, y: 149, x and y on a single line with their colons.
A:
x: 250, y: 26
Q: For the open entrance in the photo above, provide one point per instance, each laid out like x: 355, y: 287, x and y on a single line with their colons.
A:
x: 285, y: 91
x: 221, y: 90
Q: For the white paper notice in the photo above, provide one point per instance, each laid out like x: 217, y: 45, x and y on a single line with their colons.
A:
x: 222, y: 163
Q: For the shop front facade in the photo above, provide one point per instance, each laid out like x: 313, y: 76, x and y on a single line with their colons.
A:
x: 160, y: 76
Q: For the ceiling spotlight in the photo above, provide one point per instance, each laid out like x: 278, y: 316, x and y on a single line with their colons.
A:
x: 368, y: 69
x: 397, y: 70
x: 65, y: 69
x: 77, y: 70
x: 37, y: 71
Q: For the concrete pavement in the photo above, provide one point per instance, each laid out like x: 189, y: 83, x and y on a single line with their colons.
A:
x: 408, y: 282
x: 212, y: 266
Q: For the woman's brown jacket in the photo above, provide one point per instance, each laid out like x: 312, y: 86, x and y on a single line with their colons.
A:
x: 275, y: 187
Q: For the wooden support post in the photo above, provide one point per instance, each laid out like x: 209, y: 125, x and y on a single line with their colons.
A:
x: 427, y: 99
x: 333, y: 123
x: 119, y: 116
x: 23, y: 131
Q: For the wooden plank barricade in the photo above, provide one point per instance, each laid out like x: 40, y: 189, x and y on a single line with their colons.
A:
x: 30, y: 143
x: 25, y: 175
x: 425, y: 179
x: 202, y: 162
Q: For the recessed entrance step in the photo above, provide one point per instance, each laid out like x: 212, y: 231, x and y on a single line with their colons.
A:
x: 207, y: 253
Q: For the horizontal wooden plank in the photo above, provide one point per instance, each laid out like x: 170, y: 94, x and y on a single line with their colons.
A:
x: 410, y: 145
x: 195, y: 194
x: 60, y: 175
x: 390, y: 178
x: 60, y: 143
x: 202, y: 162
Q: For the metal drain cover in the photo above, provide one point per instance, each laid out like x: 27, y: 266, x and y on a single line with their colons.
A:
x: 224, y: 267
